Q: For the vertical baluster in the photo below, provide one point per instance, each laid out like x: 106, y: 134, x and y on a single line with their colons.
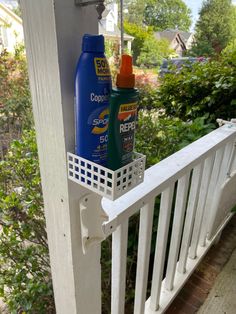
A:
x: 119, y: 260
x: 144, y: 244
x: 228, y: 160
x: 200, y: 207
x: 210, y: 191
x: 180, y: 206
x: 161, y: 241
x: 215, y: 213
x: 231, y: 166
x: 210, y: 194
x: 190, y: 215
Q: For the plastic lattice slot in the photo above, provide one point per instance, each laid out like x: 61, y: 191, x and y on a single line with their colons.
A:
x: 108, y: 183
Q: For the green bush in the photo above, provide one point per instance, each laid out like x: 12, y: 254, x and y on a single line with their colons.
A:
x: 154, y: 51
x: 166, y: 134
x: 204, y: 88
x: 25, y: 279
x: 15, y: 100
x: 149, y: 98
x: 140, y: 35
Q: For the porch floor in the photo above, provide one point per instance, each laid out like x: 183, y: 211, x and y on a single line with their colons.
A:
x: 222, y: 298
x: 211, y: 278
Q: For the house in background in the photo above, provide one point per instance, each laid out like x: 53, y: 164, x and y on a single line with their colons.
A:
x: 11, y: 29
x: 179, y: 41
x: 188, y: 39
x: 108, y: 27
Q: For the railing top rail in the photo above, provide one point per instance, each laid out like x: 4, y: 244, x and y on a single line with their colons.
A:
x: 161, y: 175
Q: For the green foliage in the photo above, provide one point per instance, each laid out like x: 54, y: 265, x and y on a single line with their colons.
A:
x: 25, y: 280
x: 166, y: 134
x: 111, y: 48
x: 135, y: 11
x: 214, y: 29
x: 15, y: 100
x: 154, y: 51
x: 230, y: 49
x: 113, y: 55
x: 202, y: 48
x: 205, y: 88
x: 17, y: 11
x: 165, y: 14
x: 140, y: 35
x: 233, y: 22
x: 149, y: 97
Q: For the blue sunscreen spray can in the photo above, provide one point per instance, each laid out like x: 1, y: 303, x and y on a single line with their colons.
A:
x: 92, y: 90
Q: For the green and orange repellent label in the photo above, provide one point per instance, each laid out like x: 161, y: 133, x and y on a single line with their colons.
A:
x: 102, y: 67
x: 127, y: 122
x: 127, y: 112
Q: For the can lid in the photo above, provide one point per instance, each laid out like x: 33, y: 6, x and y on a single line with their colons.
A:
x: 93, y: 43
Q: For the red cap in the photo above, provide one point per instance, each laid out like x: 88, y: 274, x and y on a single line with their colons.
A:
x: 126, y: 78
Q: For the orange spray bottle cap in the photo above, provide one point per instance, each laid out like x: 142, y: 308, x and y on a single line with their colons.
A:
x: 126, y: 78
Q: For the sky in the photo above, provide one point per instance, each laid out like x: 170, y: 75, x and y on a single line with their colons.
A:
x: 11, y: 2
x: 195, y: 6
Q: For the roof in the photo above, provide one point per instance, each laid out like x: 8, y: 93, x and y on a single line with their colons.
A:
x: 167, y: 34
x: 185, y: 35
x: 114, y: 34
x: 170, y: 34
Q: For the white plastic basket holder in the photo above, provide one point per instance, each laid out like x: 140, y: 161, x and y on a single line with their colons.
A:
x: 103, y: 181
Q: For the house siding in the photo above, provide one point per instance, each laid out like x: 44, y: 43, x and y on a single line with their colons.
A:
x: 11, y: 29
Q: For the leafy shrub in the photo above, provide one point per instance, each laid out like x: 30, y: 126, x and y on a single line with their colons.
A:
x: 154, y: 51
x: 140, y: 35
x: 149, y: 97
x: 112, y: 53
x: 166, y: 134
x: 25, y: 280
x: 205, y: 88
x: 15, y: 100
x: 144, y: 79
x: 148, y: 88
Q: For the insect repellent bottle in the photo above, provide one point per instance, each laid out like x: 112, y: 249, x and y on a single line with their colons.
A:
x: 92, y: 90
x: 123, y: 115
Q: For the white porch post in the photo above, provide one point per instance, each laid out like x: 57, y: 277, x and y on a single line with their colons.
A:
x: 53, y: 30
x: 129, y: 42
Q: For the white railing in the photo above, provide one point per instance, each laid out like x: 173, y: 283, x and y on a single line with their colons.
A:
x: 193, y: 185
